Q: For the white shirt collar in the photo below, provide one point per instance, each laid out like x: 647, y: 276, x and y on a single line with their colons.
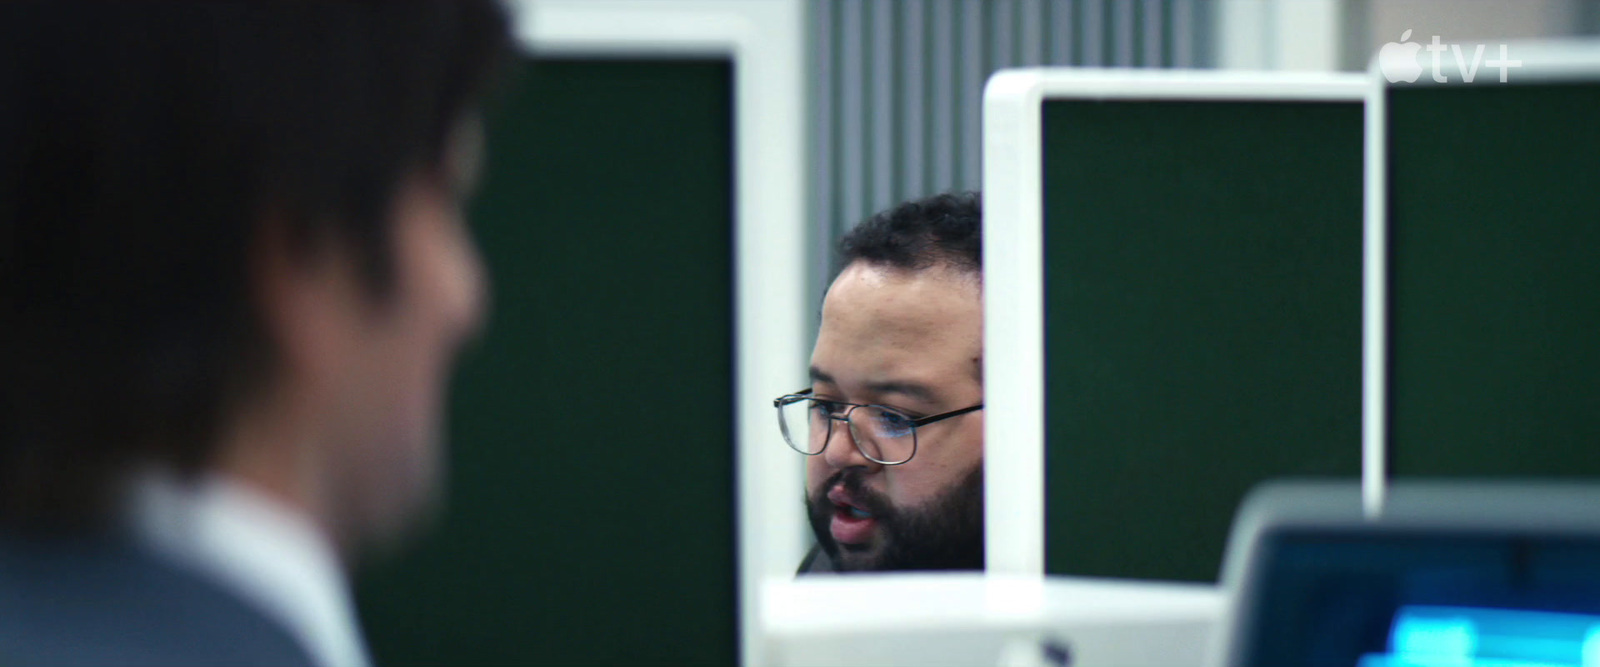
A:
x: 266, y: 553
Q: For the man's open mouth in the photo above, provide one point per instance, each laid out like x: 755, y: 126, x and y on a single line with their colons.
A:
x: 851, y: 524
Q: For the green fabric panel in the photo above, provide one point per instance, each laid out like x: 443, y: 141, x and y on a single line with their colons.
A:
x: 590, y: 516
x: 1202, y: 321
x: 1494, y: 276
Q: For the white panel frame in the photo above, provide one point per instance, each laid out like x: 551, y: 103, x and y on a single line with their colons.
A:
x: 1548, y: 61
x: 763, y: 39
x: 1013, y: 263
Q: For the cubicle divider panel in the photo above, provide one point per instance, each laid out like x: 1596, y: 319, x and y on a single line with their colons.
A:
x: 1202, y: 318
x: 1494, y: 278
x: 591, y: 506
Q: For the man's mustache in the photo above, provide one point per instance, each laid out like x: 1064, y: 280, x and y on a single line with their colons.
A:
x: 854, y: 482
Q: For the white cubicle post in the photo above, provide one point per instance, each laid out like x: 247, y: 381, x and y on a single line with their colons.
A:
x: 1013, y: 184
x: 762, y: 39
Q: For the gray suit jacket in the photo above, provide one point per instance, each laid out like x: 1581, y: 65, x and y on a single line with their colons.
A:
x: 102, y: 600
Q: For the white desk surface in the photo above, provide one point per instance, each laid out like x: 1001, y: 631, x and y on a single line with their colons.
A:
x: 977, y: 619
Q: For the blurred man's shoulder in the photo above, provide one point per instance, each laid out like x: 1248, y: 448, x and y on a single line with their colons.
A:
x: 98, y: 601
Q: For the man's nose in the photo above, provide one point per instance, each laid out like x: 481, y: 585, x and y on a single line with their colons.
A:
x: 842, y: 451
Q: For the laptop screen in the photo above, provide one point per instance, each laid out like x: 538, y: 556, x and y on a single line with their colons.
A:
x: 1384, y: 599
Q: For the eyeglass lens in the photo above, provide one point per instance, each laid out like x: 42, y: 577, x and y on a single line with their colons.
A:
x: 882, y: 435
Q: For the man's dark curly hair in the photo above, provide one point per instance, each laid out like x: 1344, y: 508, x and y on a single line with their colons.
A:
x: 942, y: 230
x: 146, y: 148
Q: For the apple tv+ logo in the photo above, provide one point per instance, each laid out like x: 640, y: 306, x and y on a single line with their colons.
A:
x: 1398, y: 61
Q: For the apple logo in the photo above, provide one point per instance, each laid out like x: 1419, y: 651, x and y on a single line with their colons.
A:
x: 1398, y: 60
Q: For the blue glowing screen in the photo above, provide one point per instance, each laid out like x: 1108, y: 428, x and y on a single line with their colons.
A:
x: 1437, y: 636
x: 1424, y: 600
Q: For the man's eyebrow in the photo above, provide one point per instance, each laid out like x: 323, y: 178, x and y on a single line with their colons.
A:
x: 818, y: 376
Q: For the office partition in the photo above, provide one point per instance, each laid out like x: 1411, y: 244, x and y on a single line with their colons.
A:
x: 641, y: 222
x: 1173, y: 308
x: 1484, y: 251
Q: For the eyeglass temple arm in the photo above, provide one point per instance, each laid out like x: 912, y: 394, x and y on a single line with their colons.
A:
x: 941, y: 417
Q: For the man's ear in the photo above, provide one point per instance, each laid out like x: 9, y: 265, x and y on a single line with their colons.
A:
x: 310, y: 305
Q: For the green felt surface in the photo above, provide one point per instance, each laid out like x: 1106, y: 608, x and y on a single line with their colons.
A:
x: 1202, y: 320
x: 591, y: 503
x: 1494, y: 221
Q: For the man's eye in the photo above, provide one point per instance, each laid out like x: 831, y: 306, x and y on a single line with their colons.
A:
x: 894, y: 423
x: 823, y: 407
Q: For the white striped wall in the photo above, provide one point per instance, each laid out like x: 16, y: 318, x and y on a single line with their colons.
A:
x: 896, y: 85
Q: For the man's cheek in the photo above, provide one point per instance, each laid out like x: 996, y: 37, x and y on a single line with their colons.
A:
x: 817, y: 472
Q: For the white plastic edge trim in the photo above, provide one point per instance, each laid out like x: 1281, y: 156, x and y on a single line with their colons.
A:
x: 1013, y: 314
x: 1374, y: 305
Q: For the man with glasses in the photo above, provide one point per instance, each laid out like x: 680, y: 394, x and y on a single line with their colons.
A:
x: 893, y: 421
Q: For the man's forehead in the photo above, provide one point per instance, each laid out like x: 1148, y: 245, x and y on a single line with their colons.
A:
x: 862, y: 277
x: 916, y: 388
x: 885, y: 303
x: 895, y: 330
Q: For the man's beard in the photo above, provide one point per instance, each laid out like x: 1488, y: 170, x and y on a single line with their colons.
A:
x: 943, y: 534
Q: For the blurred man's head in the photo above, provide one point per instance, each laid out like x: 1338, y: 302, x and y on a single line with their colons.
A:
x: 902, y: 328
x: 234, y: 242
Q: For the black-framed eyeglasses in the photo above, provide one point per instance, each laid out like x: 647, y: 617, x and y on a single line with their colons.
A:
x: 883, y: 434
